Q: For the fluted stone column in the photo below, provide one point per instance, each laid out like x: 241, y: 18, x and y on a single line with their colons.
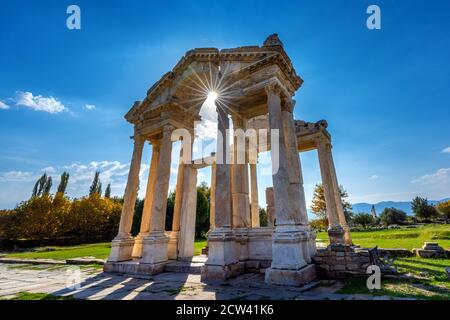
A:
x: 223, y: 261
x: 178, y: 195
x: 296, y: 190
x: 337, y: 198
x: 122, y: 245
x: 270, y: 202
x: 288, y: 263
x: 188, y: 211
x: 212, y: 198
x: 223, y: 177
x: 254, y: 196
x: 240, y: 192
x: 149, y: 194
x: 172, y: 250
x: 335, y: 231
x: 154, y: 249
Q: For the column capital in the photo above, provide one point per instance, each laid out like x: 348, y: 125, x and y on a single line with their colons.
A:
x: 138, y: 139
x: 238, y: 122
x: 156, y: 143
x: 168, y: 129
x: 322, y: 143
x: 273, y: 88
x: 288, y: 105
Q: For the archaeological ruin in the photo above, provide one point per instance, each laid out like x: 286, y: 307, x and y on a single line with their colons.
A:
x: 253, y: 89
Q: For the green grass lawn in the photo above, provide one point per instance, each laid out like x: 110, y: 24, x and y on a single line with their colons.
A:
x: 38, y: 296
x: 97, y: 250
x: 199, y: 244
x: 396, y: 238
x: 407, y: 238
x: 428, y: 280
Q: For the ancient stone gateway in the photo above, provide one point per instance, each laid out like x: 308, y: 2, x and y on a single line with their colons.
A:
x: 254, y: 87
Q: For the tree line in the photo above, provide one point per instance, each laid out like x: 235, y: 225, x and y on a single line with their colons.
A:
x: 51, y: 219
x: 423, y: 211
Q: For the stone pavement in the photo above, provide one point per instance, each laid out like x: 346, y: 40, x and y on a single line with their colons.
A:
x: 90, y: 282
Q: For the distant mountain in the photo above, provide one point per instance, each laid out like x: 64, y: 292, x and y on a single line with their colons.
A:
x: 380, y: 206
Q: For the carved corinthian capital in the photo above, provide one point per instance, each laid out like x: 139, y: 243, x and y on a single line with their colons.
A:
x: 273, y: 88
x: 138, y: 139
x: 168, y: 129
x: 288, y: 105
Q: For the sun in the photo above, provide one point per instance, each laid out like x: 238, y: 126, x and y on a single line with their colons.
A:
x: 212, y: 95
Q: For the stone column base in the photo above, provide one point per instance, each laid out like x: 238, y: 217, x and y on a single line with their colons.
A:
x: 286, y: 277
x: 154, y: 248
x: 134, y: 268
x: 347, y: 236
x: 288, y: 248
x: 172, y: 246
x: 336, y: 234
x: 223, y: 256
x: 210, y: 272
x: 121, y: 250
x: 137, y: 248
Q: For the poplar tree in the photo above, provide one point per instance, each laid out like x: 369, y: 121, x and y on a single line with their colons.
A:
x: 108, y: 191
x: 96, y: 185
x: 63, y: 183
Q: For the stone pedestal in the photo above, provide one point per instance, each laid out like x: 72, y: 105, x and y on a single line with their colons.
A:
x: 172, y: 245
x: 260, y: 244
x: 223, y: 259
x: 287, y: 277
x: 288, y: 258
x: 336, y: 234
x: 133, y: 267
x: 121, y: 250
x: 154, y: 249
x: 137, y: 248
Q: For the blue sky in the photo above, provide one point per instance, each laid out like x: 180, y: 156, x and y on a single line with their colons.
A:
x: 384, y: 92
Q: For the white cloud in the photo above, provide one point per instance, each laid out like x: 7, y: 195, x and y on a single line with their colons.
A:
x: 446, y: 150
x: 373, y: 177
x: 17, y: 176
x: 440, y: 177
x: 89, y: 107
x: 206, y: 130
x: 39, y: 103
x: 3, y: 106
x: 49, y: 170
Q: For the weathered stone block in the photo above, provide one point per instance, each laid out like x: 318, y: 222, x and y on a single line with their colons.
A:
x: 291, y: 277
x: 339, y: 267
x: 352, y: 266
x: 396, y: 252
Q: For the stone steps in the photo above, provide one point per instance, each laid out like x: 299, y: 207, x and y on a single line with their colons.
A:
x: 191, y: 267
